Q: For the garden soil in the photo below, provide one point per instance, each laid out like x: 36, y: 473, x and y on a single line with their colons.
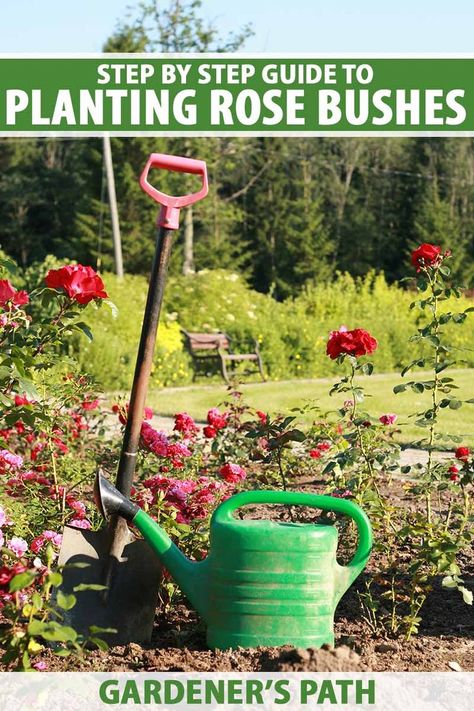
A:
x: 445, y: 641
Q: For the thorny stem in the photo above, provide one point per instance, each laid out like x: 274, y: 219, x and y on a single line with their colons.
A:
x: 434, y: 392
x: 414, y: 612
x: 283, y: 479
x: 393, y: 617
x: 62, y: 310
x: 360, y: 441
x: 465, y: 512
x: 351, y: 385
x: 448, y: 515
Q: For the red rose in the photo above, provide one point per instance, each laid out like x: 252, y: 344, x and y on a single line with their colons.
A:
x: 453, y: 473
x: 462, y: 453
x: 90, y: 404
x: 426, y: 255
x: 232, y: 473
x: 184, y: 423
x: 209, y: 432
x: 8, y: 293
x: 22, y: 401
x: 217, y: 419
x: 315, y: 454
x: 21, y: 298
x: 262, y: 416
x: 355, y: 343
x: 324, y: 446
x: 80, y: 283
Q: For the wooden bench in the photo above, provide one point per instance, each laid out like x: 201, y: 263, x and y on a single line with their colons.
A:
x: 208, y: 348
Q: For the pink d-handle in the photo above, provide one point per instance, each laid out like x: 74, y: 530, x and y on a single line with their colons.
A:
x: 170, y: 204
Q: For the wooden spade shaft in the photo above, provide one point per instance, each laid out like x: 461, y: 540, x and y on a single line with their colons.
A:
x: 119, y: 534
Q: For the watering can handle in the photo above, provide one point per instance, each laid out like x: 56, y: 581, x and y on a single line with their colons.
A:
x: 170, y: 204
x: 348, y: 572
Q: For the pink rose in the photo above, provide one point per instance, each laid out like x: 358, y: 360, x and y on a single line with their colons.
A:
x: 389, y: 419
x: 80, y: 523
x: 18, y: 545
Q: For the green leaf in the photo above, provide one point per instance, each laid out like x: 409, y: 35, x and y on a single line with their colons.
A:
x: 37, y: 601
x: 62, y: 652
x: 99, y: 643
x: 59, y: 633
x: 399, y: 388
x: 55, y: 579
x: 28, y: 388
x: 111, y: 306
x: 466, y: 595
x: 455, y: 404
x: 358, y: 395
x: 418, y: 387
x: 290, y: 436
x: 442, y: 366
x: 9, y: 265
x: 52, y: 631
x: 78, y: 565
x: 36, y: 628
x: 89, y: 586
x: 444, y: 318
x: 21, y: 581
x: 85, y: 330
x: 93, y: 629
x: 64, y: 601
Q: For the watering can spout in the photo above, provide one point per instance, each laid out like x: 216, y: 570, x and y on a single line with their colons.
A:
x: 191, y: 576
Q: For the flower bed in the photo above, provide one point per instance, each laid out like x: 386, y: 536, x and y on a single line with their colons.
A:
x: 51, y: 442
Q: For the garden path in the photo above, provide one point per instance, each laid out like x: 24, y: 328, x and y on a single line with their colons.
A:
x: 408, y: 456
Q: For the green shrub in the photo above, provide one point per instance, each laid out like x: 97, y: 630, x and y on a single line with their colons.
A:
x: 111, y: 356
x: 292, y: 334
x: 219, y: 300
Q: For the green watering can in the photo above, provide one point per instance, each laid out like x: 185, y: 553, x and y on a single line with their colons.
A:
x: 264, y: 582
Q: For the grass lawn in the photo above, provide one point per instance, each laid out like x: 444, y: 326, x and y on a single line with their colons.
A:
x: 281, y: 396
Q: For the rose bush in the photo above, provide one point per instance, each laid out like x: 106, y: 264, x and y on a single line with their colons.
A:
x: 50, y: 445
x: 80, y: 283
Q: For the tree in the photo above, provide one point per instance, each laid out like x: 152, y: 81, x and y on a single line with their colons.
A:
x: 287, y: 231
x: 176, y: 27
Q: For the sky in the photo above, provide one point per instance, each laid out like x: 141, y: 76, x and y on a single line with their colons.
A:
x: 290, y: 26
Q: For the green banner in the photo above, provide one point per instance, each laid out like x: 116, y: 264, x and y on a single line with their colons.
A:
x: 235, y: 94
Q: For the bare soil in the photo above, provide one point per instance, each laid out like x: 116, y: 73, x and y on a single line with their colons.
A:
x: 445, y: 641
